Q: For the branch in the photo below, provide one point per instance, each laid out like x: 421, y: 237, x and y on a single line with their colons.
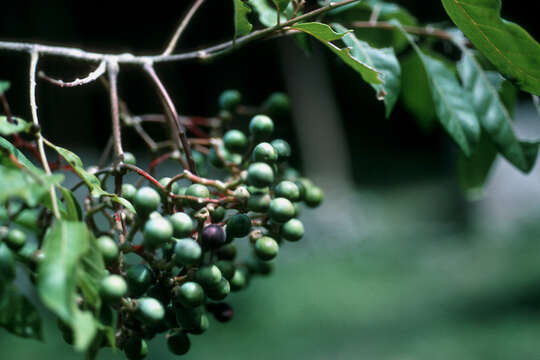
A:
x: 34, y: 57
x: 112, y: 70
x: 182, y: 27
x: 94, y: 75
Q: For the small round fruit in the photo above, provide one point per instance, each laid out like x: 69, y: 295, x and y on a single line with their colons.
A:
x: 166, y: 180
x: 260, y: 175
x: 208, y: 276
x: 277, y: 103
x: 157, y: 231
x: 292, y: 230
x: 314, y: 196
x: 227, y: 268
x: 261, y: 127
x: 283, y: 149
x: 239, y: 280
x: 178, y: 342
x: 129, y: 158
x: 235, y: 141
x: 223, y: 312
x: 287, y: 189
x: 281, y: 210
x: 135, y: 348
x: 150, y: 310
x: 15, y: 239
x: 182, y: 224
x: 230, y: 99
x: 189, y: 294
x: 220, y: 291
x: 146, y: 200
x: 187, y: 252
x: 239, y: 225
x: 190, y: 319
x: 259, y: 203
x: 226, y: 252
x: 139, y: 278
x: 197, y: 190
x: 266, y: 248
x: 215, y: 159
x: 108, y: 249
x: 213, y: 236
x: 264, y: 152
x: 218, y: 214
x: 112, y: 288
x: 128, y: 192
x: 7, y: 263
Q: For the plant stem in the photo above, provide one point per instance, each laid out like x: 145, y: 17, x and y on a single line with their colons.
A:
x: 182, y: 27
x: 94, y: 75
x: 112, y: 70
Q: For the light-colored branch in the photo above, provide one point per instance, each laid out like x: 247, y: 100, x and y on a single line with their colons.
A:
x: 34, y: 57
x: 112, y: 70
x: 94, y: 75
x: 185, y: 21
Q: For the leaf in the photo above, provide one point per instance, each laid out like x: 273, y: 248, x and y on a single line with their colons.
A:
x: 474, y: 171
x: 325, y: 34
x: 268, y: 16
x: 90, y: 273
x: 4, y: 86
x: 73, y: 210
x: 508, y: 46
x: 281, y: 5
x: 84, y: 329
x: 384, y: 60
x: 454, y: 110
x: 7, y: 146
x: 492, y: 114
x: 16, y: 126
x: 17, y: 314
x: 241, y: 24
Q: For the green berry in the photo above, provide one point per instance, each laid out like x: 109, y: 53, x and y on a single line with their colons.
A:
x: 157, y: 231
x: 238, y: 225
x: 166, y: 180
x: 15, y: 239
x: 197, y: 190
x: 283, y: 149
x: 259, y: 203
x: 218, y: 214
x: 7, y: 263
x: 208, y: 276
x: 189, y: 294
x: 287, y: 189
x: 230, y: 99
x: 264, y: 152
x: 292, y: 230
x: 235, y: 141
x: 113, y: 288
x: 314, y: 196
x: 290, y: 174
x: 139, y: 278
x: 135, y: 348
x: 129, y: 158
x: 187, y: 252
x: 261, y: 127
x: 108, y: 249
x: 220, y: 290
x: 192, y: 320
x: 146, y: 200
x: 281, y: 210
x: 150, y: 310
x: 128, y: 192
x: 182, y: 225
x: 241, y: 194
x: 266, y: 248
x: 215, y: 159
x: 227, y: 269
x: 226, y: 252
x: 178, y: 342
x: 277, y: 103
x: 239, y: 280
x: 260, y: 174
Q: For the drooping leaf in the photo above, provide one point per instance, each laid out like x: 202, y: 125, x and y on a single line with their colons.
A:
x: 17, y: 314
x: 16, y: 126
x: 73, y: 210
x: 90, y: 273
x: 241, y: 24
x: 493, y: 115
x: 474, y: 170
x: 454, y: 110
x: 514, y: 52
x: 383, y: 60
x: 4, y: 86
x: 326, y: 35
x: 268, y: 16
x: 10, y: 149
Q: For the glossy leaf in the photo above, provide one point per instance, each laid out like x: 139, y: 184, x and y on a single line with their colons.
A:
x: 17, y: 314
x: 241, y: 24
x: 326, y: 35
x: 514, y: 52
x: 384, y: 60
x: 493, y: 115
x: 16, y: 126
x: 268, y: 16
x: 473, y: 172
x: 454, y: 111
x: 4, y: 86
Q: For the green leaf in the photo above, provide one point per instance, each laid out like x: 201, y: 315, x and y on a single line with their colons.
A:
x: 508, y: 46
x: 474, y: 171
x: 325, y: 34
x: 281, y: 5
x: 90, y: 273
x: 383, y: 60
x: 4, y: 86
x: 241, y: 24
x: 16, y: 126
x: 73, y: 210
x: 17, y: 314
x: 492, y: 114
x: 454, y: 110
x: 7, y: 146
x: 268, y: 16
x: 84, y: 329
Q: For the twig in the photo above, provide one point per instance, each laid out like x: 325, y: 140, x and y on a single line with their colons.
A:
x: 112, y: 70
x: 34, y: 57
x: 182, y: 27
x: 94, y: 75
x: 7, y: 110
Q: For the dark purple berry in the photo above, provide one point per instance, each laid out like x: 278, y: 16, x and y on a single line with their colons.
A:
x: 213, y: 236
